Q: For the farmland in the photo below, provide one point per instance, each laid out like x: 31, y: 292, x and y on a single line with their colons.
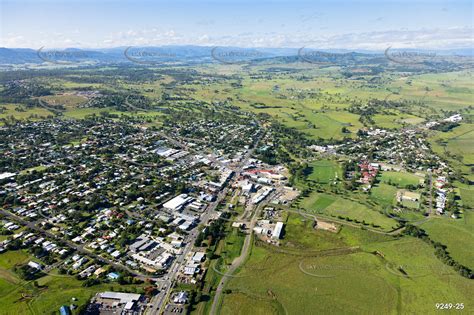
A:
x: 455, y: 235
x: 322, y: 134
x: 340, y: 282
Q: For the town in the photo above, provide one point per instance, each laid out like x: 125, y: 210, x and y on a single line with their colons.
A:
x: 106, y: 201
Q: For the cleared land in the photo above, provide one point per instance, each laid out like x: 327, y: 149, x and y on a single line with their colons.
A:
x: 400, y: 179
x: 456, y: 235
x: 337, y: 206
x: 359, y: 281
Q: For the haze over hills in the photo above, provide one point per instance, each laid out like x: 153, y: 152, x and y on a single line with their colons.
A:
x: 177, y: 52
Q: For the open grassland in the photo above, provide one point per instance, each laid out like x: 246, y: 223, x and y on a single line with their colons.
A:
x: 467, y: 194
x: 457, y: 235
x: 383, y: 194
x: 452, y: 90
x: 337, y: 206
x: 456, y: 144
x: 400, y: 179
x: 323, y: 114
x: 300, y: 277
x: 395, y: 120
x: 232, y: 245
x: 20, y: 112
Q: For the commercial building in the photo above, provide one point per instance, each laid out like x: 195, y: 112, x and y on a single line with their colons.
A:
x: 277, y: 231
x: 178, y: 202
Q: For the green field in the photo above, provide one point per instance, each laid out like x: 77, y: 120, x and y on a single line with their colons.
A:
x: 324, y: 171
x: 347, y: 283
x: 467, y: 194
x: 338, y: 206
x: 400, y: 179
x: 457, y: 144
x: 395, y: 120
x: 20, y: 112
x: 383, y: 194
x: 455, y: 234
x: 18, y: 296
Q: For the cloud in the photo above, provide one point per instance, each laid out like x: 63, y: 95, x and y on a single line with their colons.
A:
x: 450, y: 38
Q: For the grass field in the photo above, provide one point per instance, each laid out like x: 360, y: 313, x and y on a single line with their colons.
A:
x: 20, y: 112
x: 457, y: 144
x: 456, y: 235
x: 324, y: 171
x: 400, y: 179
x: 395, y: 120
x: 383, y: 194
x: 467, y: 194
x: 337, y: 206
x: 351, y: 283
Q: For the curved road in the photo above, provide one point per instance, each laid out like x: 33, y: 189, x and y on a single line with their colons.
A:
x: 237, y: 261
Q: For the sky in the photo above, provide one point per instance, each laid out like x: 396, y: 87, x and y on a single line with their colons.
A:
x: 371, y: 25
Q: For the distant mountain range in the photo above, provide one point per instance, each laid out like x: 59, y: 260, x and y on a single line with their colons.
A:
x: 189, y: 53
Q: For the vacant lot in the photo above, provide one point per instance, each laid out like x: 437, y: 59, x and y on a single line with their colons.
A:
x: 339, y: 207
x: 364, y: 283
x: 383, y: 194
x: 400, y: 179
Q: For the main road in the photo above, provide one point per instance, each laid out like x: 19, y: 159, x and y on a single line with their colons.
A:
x: 238, y: 261
x: 158, y: 302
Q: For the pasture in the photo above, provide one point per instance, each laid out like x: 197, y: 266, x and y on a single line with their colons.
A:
x: 281, y: 282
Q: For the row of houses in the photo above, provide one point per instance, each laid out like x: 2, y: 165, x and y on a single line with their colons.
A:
x: 441, y: 194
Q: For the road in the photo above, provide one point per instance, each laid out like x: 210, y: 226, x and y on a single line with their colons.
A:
x: 431, y: 192
x: 79, y: 248
x: 158, y: 302
x: 237, y: 262
x: 168, y: 280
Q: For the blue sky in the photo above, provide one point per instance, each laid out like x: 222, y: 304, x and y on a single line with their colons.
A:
x: 322, y: 24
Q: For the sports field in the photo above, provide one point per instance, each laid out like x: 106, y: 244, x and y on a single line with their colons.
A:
x: 324, y: 171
